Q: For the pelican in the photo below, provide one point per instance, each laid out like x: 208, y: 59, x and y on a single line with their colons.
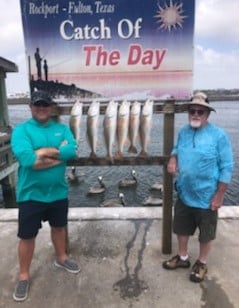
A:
x: 97, y: 189
x: 129, y: 181
x: 152, y: 201
x: 118, y: 202
x: 157, y: 186
x: 74, y: 176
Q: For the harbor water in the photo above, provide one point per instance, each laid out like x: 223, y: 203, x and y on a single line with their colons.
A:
x: 227, y: 116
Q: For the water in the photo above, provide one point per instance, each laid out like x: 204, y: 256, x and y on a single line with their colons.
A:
x: 227, y: 117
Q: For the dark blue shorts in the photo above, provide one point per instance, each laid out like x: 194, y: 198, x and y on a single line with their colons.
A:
x: 187, y: 219
x: 32, y: 213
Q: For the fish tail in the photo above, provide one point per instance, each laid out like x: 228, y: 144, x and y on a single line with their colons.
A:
x: 132, y: 149
x: 93, y: 155
x: 143, y: 153
x: 119, y: 155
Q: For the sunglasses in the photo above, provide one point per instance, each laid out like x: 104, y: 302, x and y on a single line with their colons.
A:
x: 41, y: 104
x: 199, y: 112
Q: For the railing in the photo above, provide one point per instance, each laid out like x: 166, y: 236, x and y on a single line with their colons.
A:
x: 6, y: 158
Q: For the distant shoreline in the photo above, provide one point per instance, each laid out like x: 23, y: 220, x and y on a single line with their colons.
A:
x: 218, y: 98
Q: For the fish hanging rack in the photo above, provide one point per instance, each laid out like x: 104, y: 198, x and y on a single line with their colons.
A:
x: 166, y: 107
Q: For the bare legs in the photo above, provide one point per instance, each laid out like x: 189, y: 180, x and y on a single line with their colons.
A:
x: 26, y: 249
x: 204, y: 248
x: 25, y: 254
x: 59, y: 239
x: 204, y: 251
x: 183, y: 245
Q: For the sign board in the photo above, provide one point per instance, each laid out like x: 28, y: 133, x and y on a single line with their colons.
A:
x: 110, y: 48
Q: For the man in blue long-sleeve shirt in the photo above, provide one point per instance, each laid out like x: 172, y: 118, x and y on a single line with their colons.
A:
x: 42, y: 147
x: 202, y: 160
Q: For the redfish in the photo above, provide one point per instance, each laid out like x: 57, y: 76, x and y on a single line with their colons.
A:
x: 110, y: 124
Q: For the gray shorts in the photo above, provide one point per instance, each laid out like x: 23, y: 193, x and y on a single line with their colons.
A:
x: 187, y: 219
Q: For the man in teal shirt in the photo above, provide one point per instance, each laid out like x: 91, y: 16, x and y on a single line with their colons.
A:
x: 202, y: 162
x: 42, y: 146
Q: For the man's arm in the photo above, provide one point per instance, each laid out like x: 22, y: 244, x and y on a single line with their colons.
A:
x: 46, y: 158
x: 172, y: 166
x: 218, y: 198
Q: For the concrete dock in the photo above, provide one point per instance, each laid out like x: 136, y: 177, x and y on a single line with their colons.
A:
x: 119, y: 250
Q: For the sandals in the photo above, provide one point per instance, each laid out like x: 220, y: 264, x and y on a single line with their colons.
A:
x: 176, y: 262
x: 199, y: 270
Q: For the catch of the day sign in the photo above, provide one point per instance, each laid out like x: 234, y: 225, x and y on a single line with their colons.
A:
x: 123, y: 123
x: 133, y: 50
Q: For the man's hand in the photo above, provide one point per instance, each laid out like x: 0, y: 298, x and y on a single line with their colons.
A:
x: 46, y: 158
x: 47, y: 152
x: 217, y: 200
x: 172, y: 166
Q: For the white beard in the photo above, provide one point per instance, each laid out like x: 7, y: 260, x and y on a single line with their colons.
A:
x: 195, y: 123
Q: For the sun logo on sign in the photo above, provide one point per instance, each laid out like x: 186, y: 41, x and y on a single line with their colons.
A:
x: 170, y: 16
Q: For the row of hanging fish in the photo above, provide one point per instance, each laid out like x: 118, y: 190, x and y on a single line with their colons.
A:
x: 123, y: 123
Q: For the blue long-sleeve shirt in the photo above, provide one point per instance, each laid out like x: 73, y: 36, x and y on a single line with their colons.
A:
x: 45, y: 185
x: 204, y: 158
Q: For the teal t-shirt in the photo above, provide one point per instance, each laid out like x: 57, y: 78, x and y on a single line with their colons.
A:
x: 46, y: 185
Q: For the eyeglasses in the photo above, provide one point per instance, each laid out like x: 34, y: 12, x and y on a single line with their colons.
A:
x: 41, y: 104
x: 199, y: 112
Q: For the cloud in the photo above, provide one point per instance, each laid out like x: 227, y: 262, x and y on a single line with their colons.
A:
x: 216, y: 69
x: 216, y: 55
x: 12, y: 45
x: 11, y: 29
x: 218, y: 20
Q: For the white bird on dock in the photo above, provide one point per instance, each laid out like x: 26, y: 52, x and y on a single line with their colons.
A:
x: 97, y: 189
x: 129, y: 181
x: 118, y: 202
x: 152, y: 201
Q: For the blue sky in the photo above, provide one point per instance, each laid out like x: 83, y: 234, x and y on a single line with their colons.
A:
x: 216, y: 44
